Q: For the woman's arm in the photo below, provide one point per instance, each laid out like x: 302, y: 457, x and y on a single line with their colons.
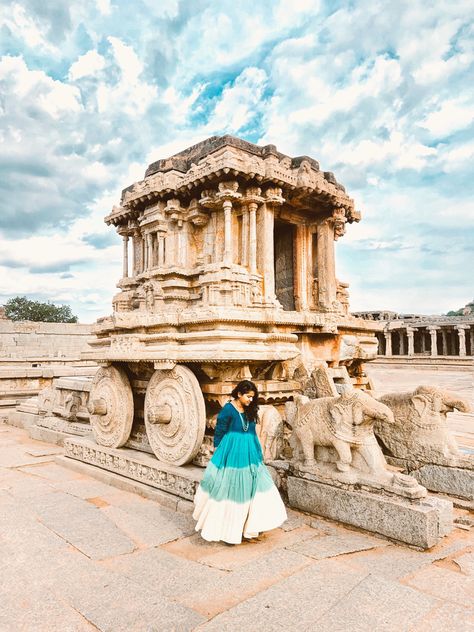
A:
x: 224, y: 419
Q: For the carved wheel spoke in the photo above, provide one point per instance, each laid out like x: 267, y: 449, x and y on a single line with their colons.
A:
x: 111, y: 407
x: 175, y: 415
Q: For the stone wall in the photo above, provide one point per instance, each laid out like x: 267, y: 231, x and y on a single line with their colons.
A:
x: 32, y: 354
x: 25, y: 341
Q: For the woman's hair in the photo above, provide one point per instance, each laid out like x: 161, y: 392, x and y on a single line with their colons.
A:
x: 245, y: 386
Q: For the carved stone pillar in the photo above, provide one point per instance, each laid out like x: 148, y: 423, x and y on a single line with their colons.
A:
x: 401, y: 334
x: 227, y: 205
x: 326, y: 265
x: 434, y: 341
x: 423, y: 340
x: 125, y: 256
x: 149, y: 251
x: 161, y: 248
x: 471, y: 337
x: 388, y: 342
x: 462, y: 339
x: 302, y: 271
x: 182, y: 241
x: 253, y: 237
x: 411, y: 345
x: 444, y: 337
x: 265, y: 251
x: 228, y: 191
x: 137, y: 242
x: 244, y: 252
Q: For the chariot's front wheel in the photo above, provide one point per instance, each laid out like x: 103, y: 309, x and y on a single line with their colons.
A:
x: 111, y: 407
x: 175, y: 415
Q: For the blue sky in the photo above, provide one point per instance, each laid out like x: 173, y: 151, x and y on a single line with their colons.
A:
x: 379, y: 92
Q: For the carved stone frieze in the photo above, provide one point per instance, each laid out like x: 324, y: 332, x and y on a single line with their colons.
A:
x: 137, y: 466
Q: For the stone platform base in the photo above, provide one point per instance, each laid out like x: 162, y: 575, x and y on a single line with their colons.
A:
x: 419, y: 523
x: 454, y: 481
x: 138, y: 466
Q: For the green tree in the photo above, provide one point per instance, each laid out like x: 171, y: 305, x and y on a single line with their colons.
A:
x: 21, y: 308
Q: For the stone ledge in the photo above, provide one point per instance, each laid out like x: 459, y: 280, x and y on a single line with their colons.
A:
x: 455, y: 481
x: 418, y: 523
x: 138, y: 466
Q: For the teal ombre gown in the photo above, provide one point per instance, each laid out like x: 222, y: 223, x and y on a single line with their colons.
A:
x: 237, y: 495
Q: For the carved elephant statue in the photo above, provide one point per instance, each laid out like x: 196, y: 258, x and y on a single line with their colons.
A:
x: 344, y: 423
x: 420, y: 432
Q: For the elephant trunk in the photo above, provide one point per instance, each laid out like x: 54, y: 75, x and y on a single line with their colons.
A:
x: 459, y: 404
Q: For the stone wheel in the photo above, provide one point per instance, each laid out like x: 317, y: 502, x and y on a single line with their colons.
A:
x: 175, y: 415
x: 111, y: 407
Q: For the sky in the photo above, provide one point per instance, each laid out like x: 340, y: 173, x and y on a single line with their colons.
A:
x: 378, y: 91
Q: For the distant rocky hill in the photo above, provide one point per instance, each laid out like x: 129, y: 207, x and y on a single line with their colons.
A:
x: 464, y: 311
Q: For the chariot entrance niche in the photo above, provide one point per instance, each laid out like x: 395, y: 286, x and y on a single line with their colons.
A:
x: 284, y: 267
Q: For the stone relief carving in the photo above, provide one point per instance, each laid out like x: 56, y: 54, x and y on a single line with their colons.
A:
x: 420, y: 432
x: 127, y: 466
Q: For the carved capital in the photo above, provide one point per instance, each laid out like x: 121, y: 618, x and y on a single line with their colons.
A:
x: 253, y: 195
x: 196, y: 215
x: 208, y: 198
x: 273, y: 195
x: 338, y: 220
x: 228, y: 190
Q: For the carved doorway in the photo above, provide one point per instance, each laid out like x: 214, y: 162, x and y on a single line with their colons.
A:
x: 284, y: 267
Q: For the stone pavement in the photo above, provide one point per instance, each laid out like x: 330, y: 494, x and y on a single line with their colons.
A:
x: 79, y: 555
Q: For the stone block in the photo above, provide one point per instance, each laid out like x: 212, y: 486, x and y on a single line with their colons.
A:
x: 377, y: 603
x: 296, y: 603
x: 441, y: 619
x: 419, y: 523
x: 81, y: 524
x: 321, y: 547
x: 454, y: 481
x: 443, y: 583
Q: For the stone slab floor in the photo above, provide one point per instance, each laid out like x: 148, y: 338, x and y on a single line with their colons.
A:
x: 79, y: 555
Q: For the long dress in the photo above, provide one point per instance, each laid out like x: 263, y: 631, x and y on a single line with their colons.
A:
x: 237, y: 495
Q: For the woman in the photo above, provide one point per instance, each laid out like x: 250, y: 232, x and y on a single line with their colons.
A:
x: 237, y: 497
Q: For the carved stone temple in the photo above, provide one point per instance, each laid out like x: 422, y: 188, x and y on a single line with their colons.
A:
x: 228, y: 274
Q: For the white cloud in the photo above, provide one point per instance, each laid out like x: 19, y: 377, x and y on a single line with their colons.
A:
x: 88, y: 64
x: 25, y: 27
x: 104, y: 7
x: 451, y: 116
x: 239, y: 102
x: 132, y: 95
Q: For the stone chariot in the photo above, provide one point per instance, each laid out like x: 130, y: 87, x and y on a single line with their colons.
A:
x: 231, y: 276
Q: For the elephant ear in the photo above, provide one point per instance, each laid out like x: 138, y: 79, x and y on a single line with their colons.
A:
x: 350, y: 414
x: 420, y: 403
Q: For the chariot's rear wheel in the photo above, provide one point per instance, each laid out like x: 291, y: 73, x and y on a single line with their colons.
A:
x: 175, y: 415
x: 111, y: 407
